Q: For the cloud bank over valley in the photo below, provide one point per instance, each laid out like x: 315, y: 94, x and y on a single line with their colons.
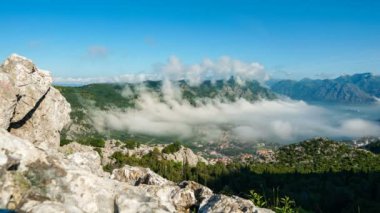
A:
x: 280, y: 120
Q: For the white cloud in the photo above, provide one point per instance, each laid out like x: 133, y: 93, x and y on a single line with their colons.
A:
x: 97, y: 51
x: 276, y: 120
x: 174, y: 69
x: 131, y: 78
x: 223, y: 68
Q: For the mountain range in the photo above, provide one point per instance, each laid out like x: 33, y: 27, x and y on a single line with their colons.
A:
x: 360, y: 88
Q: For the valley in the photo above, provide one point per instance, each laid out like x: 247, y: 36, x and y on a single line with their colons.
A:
x: 303, y: 169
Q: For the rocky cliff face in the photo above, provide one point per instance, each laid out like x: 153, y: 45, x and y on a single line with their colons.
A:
x: 183, y: 155
x: 36, y: 177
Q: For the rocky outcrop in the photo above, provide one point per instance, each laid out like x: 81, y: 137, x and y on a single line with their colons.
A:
x: 74, y: 147
x: 138, y: 175
x: 8, y: 99
x: 30, y: 107
x: 35, y: 176
x: 234, y: 204
x: 185, y: 156
x: 35, y: 180
x: 182, y: 197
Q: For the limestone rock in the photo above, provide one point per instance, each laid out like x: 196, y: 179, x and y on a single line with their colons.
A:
x: 138, y: 175
x: 185, y: 155
x: 8, y: 99
x: 201, y: 192
x: 16, y: 155
x: 175, y: 198
x: 44, y: 127
x: 50, y: 176
x: 30, y: 82
x: 137, y: 201
x: 16, y: 149
x: 172, y: 197
x: 47, y: 181
x: 48, y: 207
x: 89, y: 161
x: 74, y: 147
x: 234, y: 204
x: 30, y: 107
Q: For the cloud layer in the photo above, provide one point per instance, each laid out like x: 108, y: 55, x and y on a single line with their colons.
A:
x: 174, y: 69
x: 208, y: 69
x: 278, y: 120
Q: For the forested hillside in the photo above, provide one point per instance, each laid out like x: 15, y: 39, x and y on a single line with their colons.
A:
x: 319, y: 174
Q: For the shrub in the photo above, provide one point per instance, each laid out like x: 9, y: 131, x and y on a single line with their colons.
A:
x: 95, y: 142
x: 119, y: 157
x: 257, y: 199
x: 99, y: 151
x: 64, y: 142
x: 172, y: 148
x: 130, y: 144
x: 108, y: 168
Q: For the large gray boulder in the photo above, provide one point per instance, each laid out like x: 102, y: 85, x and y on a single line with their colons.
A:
x: 30, y: 107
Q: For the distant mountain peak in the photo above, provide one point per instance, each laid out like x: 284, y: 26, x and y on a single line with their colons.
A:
x: 353, y: 89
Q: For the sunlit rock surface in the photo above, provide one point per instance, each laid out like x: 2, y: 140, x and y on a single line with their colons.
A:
x: 30, y: 107
x: 139, y: 175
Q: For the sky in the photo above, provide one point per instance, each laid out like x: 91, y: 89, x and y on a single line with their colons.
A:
x: 289, y: 38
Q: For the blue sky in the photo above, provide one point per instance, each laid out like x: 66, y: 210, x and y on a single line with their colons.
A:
x: 292, y: 39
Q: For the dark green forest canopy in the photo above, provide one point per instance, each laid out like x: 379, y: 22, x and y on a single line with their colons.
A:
x: 320, y: 175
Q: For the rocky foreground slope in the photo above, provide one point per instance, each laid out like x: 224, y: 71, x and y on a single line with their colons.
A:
x: 36, y: 177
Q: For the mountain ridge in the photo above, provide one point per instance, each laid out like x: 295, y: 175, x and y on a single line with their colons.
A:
x: 361, y: 88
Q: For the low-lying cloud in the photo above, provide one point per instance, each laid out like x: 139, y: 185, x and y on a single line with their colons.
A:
x: 271, y: 120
